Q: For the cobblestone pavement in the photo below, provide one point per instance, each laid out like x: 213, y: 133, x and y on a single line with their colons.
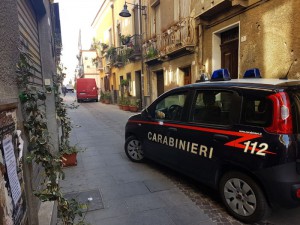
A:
x: 205, y: 198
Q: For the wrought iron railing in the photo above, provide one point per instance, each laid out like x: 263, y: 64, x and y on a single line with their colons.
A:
x: 136, y: 46
x: 179, y: 35
x: 118, y: 56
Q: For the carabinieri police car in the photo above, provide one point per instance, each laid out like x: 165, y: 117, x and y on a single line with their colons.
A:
x: 239, y: 136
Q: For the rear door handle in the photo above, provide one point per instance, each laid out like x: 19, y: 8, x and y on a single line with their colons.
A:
x: 220, y: 137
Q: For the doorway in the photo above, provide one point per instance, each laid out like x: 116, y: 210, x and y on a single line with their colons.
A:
x: 160, y: 87
x: 187, y: 75
x: 229, y: 51
x: 138, y: 84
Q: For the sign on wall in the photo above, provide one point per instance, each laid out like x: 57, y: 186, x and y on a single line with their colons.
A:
x: 12, y: 197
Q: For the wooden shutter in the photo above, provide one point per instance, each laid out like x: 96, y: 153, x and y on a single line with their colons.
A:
x: 29, y: 37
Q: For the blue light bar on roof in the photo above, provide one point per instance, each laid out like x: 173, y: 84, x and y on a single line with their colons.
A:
x: 252, y: 73
x: 221, y: 74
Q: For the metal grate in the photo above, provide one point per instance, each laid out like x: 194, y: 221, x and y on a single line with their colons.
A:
x: 92, y: 198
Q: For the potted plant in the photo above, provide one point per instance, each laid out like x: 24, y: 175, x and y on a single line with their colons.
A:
x: 134, y: 105
x: 104, y: 46
x: 102, y: 96
x: 125, y: 39
x: 110, y: 51
x: 151, y: 52
x: 69, y: 154
x: 125, y: 104
x: 124, y: 83
x: 120, y: 102
x: 107, y: 97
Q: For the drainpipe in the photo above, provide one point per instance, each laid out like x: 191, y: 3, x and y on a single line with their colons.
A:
x: 113, y: 22
x: 200, y: 37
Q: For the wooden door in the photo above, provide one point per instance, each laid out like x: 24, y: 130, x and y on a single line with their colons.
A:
x: 187, y: 75
x: 160, y: 82
x: 229, y: 51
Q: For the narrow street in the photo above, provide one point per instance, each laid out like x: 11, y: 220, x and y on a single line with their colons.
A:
x: 125, y: 193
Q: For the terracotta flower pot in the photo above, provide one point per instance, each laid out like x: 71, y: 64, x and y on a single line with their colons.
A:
x: 69, y: 159
x: 126, y: 107
x: 133, y: 108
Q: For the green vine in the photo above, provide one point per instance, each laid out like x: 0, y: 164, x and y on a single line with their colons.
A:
x: 40, y: 151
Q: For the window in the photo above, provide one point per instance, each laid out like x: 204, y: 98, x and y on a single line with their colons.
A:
x: 110, y: 37
x: 182, y: 9
x: 257, y: 111
x: 171, y: 107
x: 213, y: 107
x: 155, y: 24
x: 130, y: 88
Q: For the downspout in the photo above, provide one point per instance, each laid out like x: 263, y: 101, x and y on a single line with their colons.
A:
x: 113, y: 23
x: 201, y: 40
x: 111, y: 80
x: 149, y: 83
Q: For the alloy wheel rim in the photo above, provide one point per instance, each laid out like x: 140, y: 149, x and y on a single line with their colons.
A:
x: 135, y: 150
x: 240, y: 197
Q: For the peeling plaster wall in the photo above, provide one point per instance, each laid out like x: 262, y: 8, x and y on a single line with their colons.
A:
x: 272, y: 44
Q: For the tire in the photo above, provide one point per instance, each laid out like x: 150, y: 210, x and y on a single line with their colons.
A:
x: 78, y: 100
x: 243, y: 198
x: 133, y: 149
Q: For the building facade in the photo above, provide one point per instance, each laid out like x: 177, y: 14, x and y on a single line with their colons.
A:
x: 30, y: 27
x: 243, y: 34
x: 182, y: 39
x: 118, y: 41
x: 88, y: 65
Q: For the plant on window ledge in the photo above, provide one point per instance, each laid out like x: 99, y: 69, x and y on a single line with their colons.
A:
x: 40, y: 151
x: 151, y: 52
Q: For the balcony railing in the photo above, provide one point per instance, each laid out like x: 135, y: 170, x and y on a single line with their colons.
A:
x: 98, y: 63
x: 135, y: 45
x: 119, y: 56
x: 177, y: 37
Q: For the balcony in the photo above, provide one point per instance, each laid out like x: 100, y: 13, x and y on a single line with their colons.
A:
x: 207, y: 10
x: 98, y: 63
x: 135, y: 53
x: 176, y: 41
x: 118, y: 57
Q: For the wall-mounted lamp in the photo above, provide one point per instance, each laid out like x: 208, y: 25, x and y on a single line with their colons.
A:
x: 125, y: 12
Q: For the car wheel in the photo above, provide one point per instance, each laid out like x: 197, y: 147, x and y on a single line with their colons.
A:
x: 243, y: 198
x: 78, y: 100
x: 133, y: 149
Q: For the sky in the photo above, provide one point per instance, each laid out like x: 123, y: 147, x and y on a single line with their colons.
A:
x: 76, y: 15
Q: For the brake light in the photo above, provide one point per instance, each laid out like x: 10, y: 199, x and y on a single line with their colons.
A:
x: 282, y: 119
x: 298, y: 193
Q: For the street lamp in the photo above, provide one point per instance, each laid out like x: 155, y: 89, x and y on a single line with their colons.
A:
x: 126, y: 13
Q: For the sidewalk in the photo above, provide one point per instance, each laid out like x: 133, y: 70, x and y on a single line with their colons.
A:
x: 122, y: 192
